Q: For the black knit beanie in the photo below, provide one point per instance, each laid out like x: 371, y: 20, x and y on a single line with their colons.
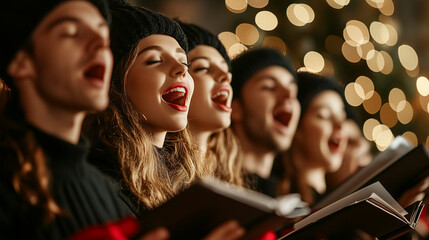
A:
x: 252, y: 61
x: 200, y: 36
x: 310, y: 85
x: 130, y: 24
x: 18, y: 19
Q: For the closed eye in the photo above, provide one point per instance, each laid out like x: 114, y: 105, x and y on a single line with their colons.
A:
x: 153, y: 62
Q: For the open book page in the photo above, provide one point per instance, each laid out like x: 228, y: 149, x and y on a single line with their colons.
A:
x: 395, y: 151
x: 375, y: 189
x: 289, y: 206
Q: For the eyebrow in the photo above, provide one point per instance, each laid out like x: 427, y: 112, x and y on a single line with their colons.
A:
x: 71, y: 19
x: 159, y: 48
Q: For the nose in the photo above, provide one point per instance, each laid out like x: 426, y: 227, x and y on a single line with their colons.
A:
x: 98, y: 41
x: 224, y: 77
x: 179, y: 69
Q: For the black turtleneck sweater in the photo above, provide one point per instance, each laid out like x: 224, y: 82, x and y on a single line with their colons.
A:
x: 80, y: 190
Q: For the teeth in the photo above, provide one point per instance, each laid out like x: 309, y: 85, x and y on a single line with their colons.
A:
x: 177, y: 89
x: 221, y: 93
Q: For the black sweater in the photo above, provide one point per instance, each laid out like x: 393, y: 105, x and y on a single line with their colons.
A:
x: 79, y: 189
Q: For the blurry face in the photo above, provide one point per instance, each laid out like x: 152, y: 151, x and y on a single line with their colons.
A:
x: 270, y: 108
x: 211, y: 103
x: 72, y: 59
x: 159, y: 85
x: 321, y: 134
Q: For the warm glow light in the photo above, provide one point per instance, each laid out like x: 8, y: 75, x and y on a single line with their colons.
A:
x: 352, y: 96
x: 364, y: 49
x: 393, y: 35
x: 266, y: 20
x: 314, y: 61
x: 356, y: 33
x: 397, y: 99
x: 406, y: 115
x: 247, y: 33
x: 333, y: 44
x: 408, y: 57
x: 375, y: 3
x: 388, y: 116
x: 373, y: 104
x: 413, y: 73
x: 300, y: 14
x: 411, y: 137
x: 350, y: 53
x: 275, y: 42
x: 367, y: 86
x: 375, y: 63
x: 388, y: 8
x: 236, y: 49
x: 422, y: 85
x: 258, y: 3
x: 228, y: 39
x: 384, y: 138
x: 379, y: 32
x: 424, y: 103
x: 236, y: 6
x: 368, y: 128
x: 388, y: 63
x: 334, y: 4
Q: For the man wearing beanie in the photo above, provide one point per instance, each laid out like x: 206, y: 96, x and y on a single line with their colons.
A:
x: 265, y: 110
x: 55, y: 58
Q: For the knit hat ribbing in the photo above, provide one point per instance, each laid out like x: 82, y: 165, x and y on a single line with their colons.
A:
x: 19, y: 19
x: 310, y: 85
x: 130, y: 24
x: 252, y: 61
x: 200, y: 36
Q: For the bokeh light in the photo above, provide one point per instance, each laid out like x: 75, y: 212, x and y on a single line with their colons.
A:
x: 338, y: 4
x: 406, y: 114
x: 367, y: 86
x: 393, y: 35
x: 236, y: 49
x: 408, y: 57
x: 356, y: 33
x: 247, y: 33
x: 266, y: 20
x: 314, y: 61
x: 379, y: 32
x: 424, y: 103
x: 300, y: 14
x: 228, y: 39
x: 388, y: 116
x: 383, y: 136
x: 353, y: 93
x: 275, y: 42
x: 373, y: 104
x: 422, y: 85
x: 388, y: 63
x: 236, y: 6
x: 368, y: 128
x: 376, y: 62
x: 388, y: 8
x: 350, y: 53
x: 411, y: 137
x: 397, y: 99
x: 364, y: 50
x: 258, y: 3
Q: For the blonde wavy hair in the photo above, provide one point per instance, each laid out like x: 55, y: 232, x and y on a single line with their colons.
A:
x: 225, y: 157
x: 152, y: 176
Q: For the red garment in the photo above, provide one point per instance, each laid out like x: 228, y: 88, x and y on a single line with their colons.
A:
x: 123, y: 229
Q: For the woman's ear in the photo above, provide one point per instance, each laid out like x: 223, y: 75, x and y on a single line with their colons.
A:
x: 21, y: 66
x: 237, y: 111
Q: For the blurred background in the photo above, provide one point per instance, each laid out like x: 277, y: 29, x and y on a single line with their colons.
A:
x: 378, y: 49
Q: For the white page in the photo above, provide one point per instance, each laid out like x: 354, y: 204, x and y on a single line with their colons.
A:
x: 357, y: 196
